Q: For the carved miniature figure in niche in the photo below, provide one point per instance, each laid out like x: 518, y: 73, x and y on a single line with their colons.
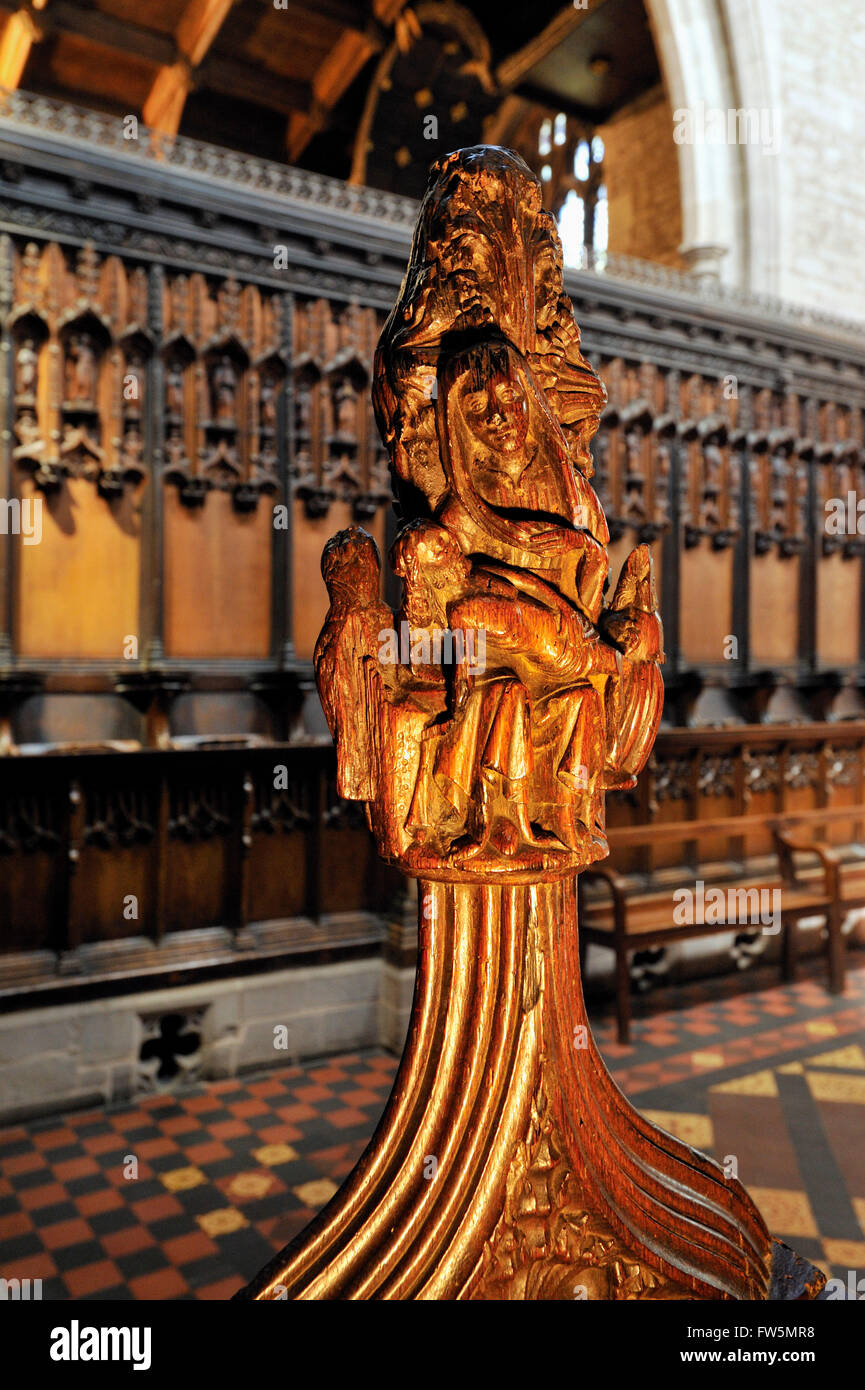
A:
x: 224, y: 385
x: 175, y: 450
x: 174, y: 389
x: 132, y: 450
x: 346, y: 410
x: 713, y: 463
x: 28, y: 433
x: 267, y: 404
x: 81, y: 363
x: 26, y: 369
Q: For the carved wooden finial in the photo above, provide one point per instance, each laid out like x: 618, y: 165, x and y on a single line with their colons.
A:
x: 480, y: 725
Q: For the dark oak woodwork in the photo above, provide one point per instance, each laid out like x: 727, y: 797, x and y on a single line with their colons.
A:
x: 172, y: 254
x: 249, y: 850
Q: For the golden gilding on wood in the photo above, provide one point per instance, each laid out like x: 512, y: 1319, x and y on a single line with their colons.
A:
x: 482, y: 763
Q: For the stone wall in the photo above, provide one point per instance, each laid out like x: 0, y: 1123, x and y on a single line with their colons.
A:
x: 90, y: 1053
x: 786, y: 221
x: 822, y: 58
x: 643, y: 182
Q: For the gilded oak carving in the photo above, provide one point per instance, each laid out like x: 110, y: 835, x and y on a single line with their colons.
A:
x: 480, y: 726
x: 487, y: 407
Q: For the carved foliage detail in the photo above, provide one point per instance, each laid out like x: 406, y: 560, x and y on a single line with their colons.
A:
x: 548, y: 1244
x: 199, y: 813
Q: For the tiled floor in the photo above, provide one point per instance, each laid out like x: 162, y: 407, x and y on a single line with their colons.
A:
x: 773, y: 1079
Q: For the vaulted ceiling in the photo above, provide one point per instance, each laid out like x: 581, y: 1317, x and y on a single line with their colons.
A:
x: 342, y: 86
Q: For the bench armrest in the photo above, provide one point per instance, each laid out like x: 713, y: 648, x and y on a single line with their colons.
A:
x: 789, y: 842
x: 618, y: 889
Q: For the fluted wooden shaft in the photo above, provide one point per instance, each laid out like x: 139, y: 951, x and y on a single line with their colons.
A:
x: 508, y: 1163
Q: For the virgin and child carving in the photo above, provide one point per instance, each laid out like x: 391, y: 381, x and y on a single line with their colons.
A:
x: 472, y: 769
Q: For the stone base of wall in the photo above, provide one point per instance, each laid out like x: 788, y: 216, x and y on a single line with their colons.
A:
x: 109, y: 1051
x: 394, y: 1005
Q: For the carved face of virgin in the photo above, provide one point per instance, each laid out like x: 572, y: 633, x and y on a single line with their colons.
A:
x: 497, y: 411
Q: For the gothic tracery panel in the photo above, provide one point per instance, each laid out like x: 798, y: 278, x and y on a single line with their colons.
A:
x: 337, y: 450
x: 224, y: 373
x: 80, y: 345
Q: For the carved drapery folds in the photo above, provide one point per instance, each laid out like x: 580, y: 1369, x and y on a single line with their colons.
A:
x: 337, y: 451
x: 224, y: 374
x: 80, y: 345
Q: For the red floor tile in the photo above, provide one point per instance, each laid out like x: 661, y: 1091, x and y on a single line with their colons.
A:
x: 162, y: 1284
x: 32, y: 1198
x: 155, y: 1208
x: 126, y: 1242
x: 182, y: 1250
x: 17, y: 1223
x: 95, y: 1278
x: 64, y: 1233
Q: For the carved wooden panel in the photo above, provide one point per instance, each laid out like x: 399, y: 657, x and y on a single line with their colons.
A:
x: 217, y: 578
x: 97, y: 850
x: 80, y: 343
x: 224, y: 369
x: 338, y: 455
x: 77, y: 591
x: 835, y: 444
x: 80, y: 346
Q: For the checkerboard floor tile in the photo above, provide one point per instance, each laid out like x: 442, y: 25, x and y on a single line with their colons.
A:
x: 186, y: 1195
x: 183, y: 1196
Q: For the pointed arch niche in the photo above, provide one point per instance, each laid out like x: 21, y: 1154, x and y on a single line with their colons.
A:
x: 224, y: 373
x: 80, y: 353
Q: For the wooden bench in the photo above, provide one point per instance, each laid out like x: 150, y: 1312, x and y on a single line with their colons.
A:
x: 626, y: 917
x: 798, y: 838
